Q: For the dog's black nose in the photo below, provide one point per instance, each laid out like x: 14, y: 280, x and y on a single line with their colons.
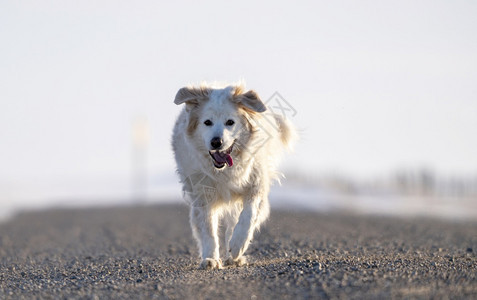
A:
x: 216, y: 142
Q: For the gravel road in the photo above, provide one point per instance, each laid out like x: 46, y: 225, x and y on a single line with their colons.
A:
x: 148, y: 252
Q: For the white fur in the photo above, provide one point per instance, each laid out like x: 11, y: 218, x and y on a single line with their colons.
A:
x: 236, y: 195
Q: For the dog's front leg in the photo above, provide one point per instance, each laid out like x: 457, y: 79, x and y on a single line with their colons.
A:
x: 243, y: 231
x: 204, y: 222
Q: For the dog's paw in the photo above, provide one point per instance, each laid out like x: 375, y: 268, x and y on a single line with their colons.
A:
x: 210, y: 264
x: 241, y: 261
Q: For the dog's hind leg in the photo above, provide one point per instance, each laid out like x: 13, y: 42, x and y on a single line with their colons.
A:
x: 254, y: 212
x: 231, y: 219
x: 243, y: 231
x: 263, y: 213
x: 204, y: 223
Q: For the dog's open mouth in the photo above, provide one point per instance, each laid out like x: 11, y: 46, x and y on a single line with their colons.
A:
x: 221, y: 158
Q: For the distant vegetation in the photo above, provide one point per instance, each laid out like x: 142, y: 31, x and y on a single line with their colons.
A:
x: 421, y: 182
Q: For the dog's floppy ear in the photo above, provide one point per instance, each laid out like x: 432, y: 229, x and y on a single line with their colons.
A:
x: 191, y: 95
x: 252, y: 101
x: 186, y: 95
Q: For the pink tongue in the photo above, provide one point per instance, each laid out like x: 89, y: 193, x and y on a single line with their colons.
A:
x: 223, y: 158
x: 229, y: 160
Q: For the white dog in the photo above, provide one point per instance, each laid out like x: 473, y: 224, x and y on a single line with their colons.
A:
x: 227, y: 146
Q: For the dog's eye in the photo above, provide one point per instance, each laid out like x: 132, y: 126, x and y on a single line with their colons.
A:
x: 230, y: 122
x: 208, y: 123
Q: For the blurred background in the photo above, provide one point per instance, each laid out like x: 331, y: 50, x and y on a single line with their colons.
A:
x: 384, y: 92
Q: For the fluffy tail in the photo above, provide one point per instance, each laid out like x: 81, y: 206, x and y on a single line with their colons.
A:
x: 287, y: 131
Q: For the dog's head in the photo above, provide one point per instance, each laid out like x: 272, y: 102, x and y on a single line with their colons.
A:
x: 220, y: 119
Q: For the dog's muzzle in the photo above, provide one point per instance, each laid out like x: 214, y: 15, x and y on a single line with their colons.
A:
x: 222, y: 158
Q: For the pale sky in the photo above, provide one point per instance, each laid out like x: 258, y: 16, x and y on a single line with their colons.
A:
x: 377, y: 85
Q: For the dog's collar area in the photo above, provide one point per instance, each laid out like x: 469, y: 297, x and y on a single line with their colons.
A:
x: 222, y: 158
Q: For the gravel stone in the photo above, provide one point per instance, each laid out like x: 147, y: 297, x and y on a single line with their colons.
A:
x: 147, y: 252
